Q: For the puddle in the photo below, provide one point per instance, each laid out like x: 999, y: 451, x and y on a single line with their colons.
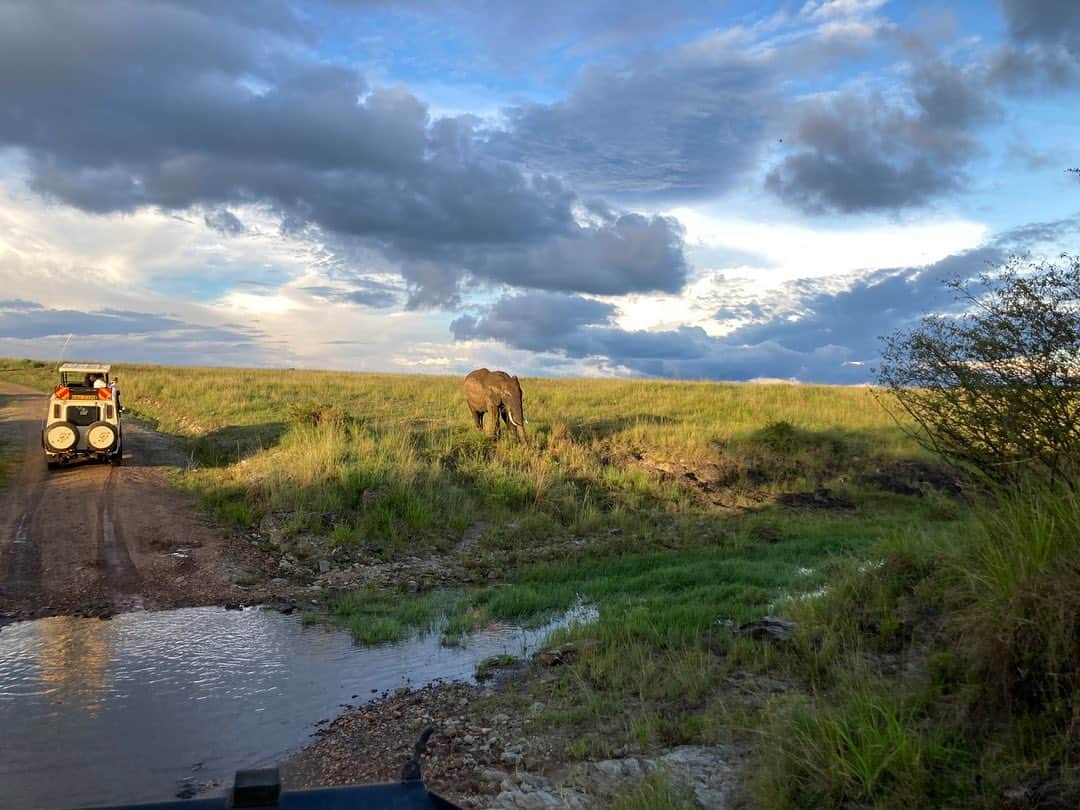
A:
x: 140, y: 706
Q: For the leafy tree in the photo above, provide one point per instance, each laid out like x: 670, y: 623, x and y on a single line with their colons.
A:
x: 997, y: 388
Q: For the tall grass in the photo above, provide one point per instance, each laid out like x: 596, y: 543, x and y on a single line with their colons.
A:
x: 1021, y: 623
x: 989, y: 621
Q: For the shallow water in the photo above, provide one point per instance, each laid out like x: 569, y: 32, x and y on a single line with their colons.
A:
x: 140, y: 706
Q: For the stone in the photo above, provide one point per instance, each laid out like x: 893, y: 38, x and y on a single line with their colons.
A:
x: 771, y: 629
x: 566, y: 653
x: 494, y: 775
x: 324, y: 566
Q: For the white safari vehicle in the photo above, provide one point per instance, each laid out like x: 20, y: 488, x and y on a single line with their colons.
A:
x: 83, y: 420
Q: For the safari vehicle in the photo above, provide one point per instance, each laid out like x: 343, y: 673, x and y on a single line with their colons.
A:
x: 83, y: 420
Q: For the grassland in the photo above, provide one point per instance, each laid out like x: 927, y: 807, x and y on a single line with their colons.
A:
x: 678, y: 511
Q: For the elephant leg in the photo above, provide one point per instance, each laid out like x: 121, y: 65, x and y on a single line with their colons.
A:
x: 491, y: 425
x: 478, y: 418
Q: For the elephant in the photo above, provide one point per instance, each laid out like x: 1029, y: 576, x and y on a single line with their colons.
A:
x: 497, y: 394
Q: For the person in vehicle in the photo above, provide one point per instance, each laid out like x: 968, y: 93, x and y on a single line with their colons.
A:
x: 99, y: 381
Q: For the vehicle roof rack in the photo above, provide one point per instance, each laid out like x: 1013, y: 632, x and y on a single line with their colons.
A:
x: 89, y: 368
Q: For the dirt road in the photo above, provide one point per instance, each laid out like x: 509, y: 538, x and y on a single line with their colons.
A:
x: 94, y: 539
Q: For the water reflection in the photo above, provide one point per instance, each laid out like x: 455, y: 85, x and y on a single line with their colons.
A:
x: 72, y: 661
x: 96, y: 711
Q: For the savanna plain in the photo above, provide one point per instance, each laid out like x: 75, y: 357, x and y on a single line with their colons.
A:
x: 776, y: 572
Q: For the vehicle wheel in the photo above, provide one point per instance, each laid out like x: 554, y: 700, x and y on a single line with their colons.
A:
x: 117, y: 460
x: 51, y: 465
x: 101, y: 436
x: 61, y: 436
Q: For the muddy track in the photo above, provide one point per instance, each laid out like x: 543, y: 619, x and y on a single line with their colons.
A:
x: 95, y: 539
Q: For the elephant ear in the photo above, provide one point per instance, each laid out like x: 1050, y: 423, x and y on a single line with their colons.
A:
x: 515, y: 378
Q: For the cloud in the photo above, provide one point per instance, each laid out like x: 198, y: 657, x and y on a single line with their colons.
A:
x: 537, y: 321
x: 686, y: 123
x: 1044, y: 21
x: 25, y: 320
x: 578, y: 328
x: 856, y: 152
x: 166, y: 105
x: 366, y: 292
x: 816, y: 330
x: 224, y: 222
x: 1043, y: 47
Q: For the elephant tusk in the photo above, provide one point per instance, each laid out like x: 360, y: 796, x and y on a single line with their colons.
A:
x: 511, y: 415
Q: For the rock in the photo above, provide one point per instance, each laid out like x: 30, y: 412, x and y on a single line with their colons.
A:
x: 279, y: 582
x: 566, y: 653
x: 494, y: 775
x: 535, y: 792
x: 412, y: 586
x: 709, y: 774
x: 771, y: 628
x: 512, y: 758
x: 1016, y: 798
x: 324, y: 566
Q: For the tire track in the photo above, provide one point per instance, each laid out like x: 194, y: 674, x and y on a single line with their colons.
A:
x: 121, y: 574
x: 86, y: 539
x: 22, y: 559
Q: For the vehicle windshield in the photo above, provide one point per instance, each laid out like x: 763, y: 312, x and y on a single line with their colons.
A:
x: 78, y: 379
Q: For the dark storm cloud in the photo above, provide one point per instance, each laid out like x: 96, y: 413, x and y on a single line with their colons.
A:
x: 628, y: 252
x: 28, y: 321
x: 123, y: 105
x: 855, y: 152
x: 579, y: 328
x: 537, y: 321
x: 688, y: 123
x: 827, y: 336
x: 1047, y: 21
x: 1043, y: 50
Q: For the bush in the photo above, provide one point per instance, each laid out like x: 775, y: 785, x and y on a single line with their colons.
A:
x: 997, y: 388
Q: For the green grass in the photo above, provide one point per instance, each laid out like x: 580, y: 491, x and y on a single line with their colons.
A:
x: 379, y: 617
x: 987, y: 621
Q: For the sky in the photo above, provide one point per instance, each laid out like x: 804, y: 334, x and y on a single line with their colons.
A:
x: 689, y: 190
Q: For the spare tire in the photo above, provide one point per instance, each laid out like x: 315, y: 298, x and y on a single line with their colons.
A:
x: 61, y: 437
x: 100, y: 436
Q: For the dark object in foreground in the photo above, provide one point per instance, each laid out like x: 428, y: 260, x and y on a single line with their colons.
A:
x: 261, y: 790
